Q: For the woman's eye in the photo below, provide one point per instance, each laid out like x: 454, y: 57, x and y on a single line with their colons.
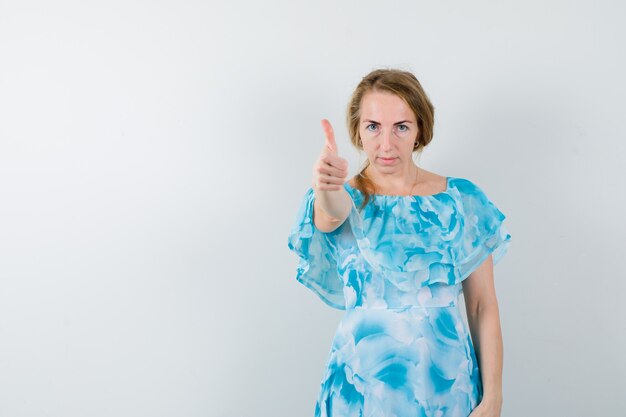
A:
x: 369, y: 126
x: 403, y: 128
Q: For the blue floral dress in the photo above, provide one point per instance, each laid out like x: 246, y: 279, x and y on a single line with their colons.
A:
x: 402, y: 347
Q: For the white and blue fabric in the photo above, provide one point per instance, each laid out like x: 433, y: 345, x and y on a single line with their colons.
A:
x: 402, y: 347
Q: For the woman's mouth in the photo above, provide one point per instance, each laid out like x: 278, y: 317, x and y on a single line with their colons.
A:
x: 388, y: 160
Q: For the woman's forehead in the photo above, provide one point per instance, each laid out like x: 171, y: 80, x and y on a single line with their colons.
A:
x: 385, y: 107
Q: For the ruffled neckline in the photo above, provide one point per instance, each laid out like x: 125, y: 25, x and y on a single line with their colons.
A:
x: 402, y: 197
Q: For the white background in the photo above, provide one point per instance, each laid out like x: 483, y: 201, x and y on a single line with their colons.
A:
x: 153, y: 156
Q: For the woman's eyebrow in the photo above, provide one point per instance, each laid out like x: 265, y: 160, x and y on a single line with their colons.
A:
x: 396, y: 123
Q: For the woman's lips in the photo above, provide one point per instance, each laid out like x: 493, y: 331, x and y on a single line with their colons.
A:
x: 388, y: 160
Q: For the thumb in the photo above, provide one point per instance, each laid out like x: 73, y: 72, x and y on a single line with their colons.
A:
x: 330, y: 136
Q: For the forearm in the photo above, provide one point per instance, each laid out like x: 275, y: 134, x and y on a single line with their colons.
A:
x: 335, y: 204
x: 487, y: 339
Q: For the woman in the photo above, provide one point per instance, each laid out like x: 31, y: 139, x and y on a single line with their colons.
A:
x: 394, y: 247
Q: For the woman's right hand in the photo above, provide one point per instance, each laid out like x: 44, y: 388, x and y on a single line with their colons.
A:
x: 330, y: 170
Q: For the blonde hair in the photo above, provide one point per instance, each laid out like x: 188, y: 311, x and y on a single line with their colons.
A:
x: 403, y: 84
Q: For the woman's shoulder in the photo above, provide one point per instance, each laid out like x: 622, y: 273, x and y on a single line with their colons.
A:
x: 466, y: 187
x: 463, y: 184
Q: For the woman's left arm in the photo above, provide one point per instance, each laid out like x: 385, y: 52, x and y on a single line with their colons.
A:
x: 484, y: 323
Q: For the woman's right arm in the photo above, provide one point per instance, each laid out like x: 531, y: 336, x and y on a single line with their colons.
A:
x: 332, y: 203
x: 339, y: 203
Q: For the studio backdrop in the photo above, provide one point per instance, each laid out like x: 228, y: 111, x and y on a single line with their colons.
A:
x: 153, y: 156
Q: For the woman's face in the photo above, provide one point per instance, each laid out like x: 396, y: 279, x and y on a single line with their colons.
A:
x: 388, y: 130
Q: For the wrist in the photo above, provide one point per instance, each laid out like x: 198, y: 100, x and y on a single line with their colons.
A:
x: 492, y: 400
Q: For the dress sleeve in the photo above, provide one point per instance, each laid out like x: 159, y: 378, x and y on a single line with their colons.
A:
x: 317, y: 267
x: 484, y: 232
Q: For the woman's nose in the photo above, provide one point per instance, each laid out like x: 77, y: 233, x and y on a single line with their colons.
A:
x: 386, y: 142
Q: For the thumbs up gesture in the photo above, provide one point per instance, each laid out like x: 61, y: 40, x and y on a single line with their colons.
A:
x: 330, y: 170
